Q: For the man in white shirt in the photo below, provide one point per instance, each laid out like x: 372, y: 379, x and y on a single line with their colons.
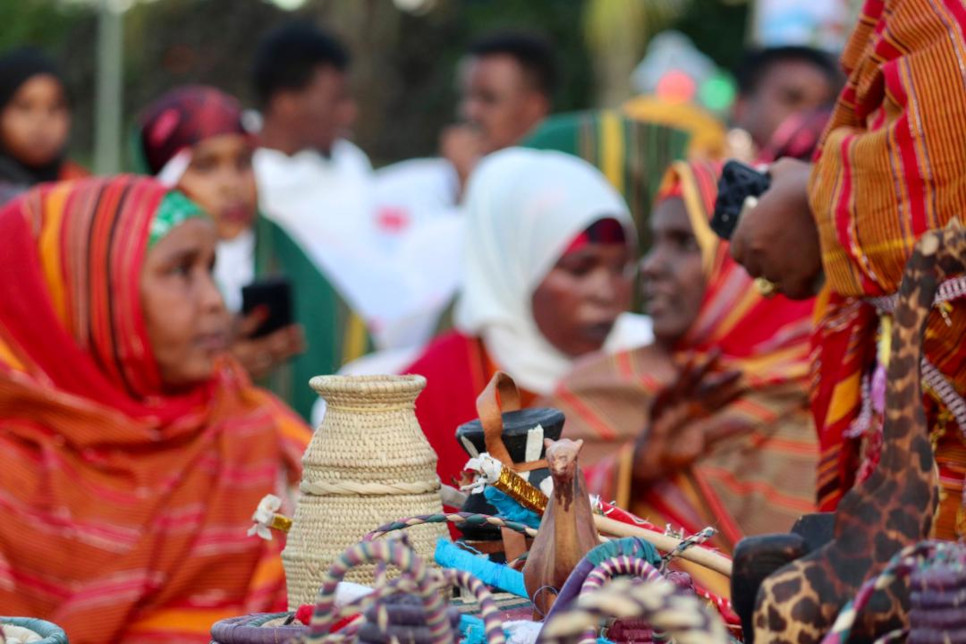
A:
x: 312, y: 181
x: 507, y: 83
x: 318, y: 187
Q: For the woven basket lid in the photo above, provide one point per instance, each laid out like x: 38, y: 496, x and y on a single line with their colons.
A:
x: 367, y: 391
x: 516, y: 429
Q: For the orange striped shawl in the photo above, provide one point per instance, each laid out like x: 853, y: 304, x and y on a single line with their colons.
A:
x: 123, y: 512
x: 891, y: 166
x: 758, y: 481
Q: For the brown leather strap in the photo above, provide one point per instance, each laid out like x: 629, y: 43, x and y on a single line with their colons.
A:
x: 499, y: 395
x: 514, y: 543
x: 486, y: 547
x: 493, y: 547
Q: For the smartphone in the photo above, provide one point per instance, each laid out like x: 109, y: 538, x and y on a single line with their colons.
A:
x: 738, y: 182
x: 275, y: 294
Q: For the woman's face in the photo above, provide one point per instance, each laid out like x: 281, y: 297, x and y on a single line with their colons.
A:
x: 577, y: 303
x: 35, y: 124
x: 186, y: 320
x: 220, y: 179
x: 673, y: 281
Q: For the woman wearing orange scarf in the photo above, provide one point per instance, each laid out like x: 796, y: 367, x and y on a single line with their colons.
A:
x: 726, y: 439
x: 132, y: 453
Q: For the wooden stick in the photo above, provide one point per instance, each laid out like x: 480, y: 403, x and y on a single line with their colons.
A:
x: 701, y: 556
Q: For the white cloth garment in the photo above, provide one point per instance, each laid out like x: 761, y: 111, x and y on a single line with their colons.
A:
x: 523, y: 208
x: 326, y: 206
x: 323, y: 204
x: 419, y: 222
x: 235, y: 267
x: 411, y: 193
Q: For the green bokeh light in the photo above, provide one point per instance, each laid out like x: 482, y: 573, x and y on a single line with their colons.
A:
x: 717, y: 93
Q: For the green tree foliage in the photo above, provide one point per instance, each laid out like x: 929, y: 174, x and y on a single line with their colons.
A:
x: 65, y: 32
x: 717, y: 28
x: 405, y: 65
x: 40, y: 23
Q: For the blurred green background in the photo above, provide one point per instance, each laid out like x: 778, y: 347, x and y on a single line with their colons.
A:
x: 404, y: 51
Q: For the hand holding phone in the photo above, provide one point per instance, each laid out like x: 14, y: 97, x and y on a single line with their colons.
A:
x: 738, y: 182
x: 265, y: 336
x: 273, y: 294
x: 778, y: 239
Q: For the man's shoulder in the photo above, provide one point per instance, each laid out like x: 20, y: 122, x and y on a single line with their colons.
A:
x: 425, y: 169
x: 265, y: 160
x: 345, y: 151
x: 433, y: 175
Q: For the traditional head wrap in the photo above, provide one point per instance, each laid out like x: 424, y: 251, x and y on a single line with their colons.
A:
x: 174, y: 210
x: 16, y: 68
x: 170, y: 126
x: 760, y: 477
x: 771, y: 335
x: 123, y: 508
x: 19, y: 66
x: 524, y: 209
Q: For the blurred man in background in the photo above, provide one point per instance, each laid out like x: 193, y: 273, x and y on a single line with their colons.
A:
x: 773, y: 85
x: 507, y: 85
x: 318, y: 188
x: 507, y: 82
x: 313, y: 181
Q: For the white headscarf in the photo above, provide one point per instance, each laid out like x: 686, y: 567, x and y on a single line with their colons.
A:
x: 524, y: 208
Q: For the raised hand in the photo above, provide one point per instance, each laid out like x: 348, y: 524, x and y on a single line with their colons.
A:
x: 778, y: 238
x: 260, y: 356
x: 677, y: 433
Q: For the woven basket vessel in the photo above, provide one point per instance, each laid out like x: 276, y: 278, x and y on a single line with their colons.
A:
x: 368, y: 464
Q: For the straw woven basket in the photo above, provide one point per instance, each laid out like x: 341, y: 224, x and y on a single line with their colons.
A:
x: 368, y: 464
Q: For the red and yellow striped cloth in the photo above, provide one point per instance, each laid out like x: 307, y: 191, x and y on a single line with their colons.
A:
x: 892, y: 166
x: 123, y: 511
x: 759, y: 479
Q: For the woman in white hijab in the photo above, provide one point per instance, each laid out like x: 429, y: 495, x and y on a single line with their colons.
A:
x: 548, y: 258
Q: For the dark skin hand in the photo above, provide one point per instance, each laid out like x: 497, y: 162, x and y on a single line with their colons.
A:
x: 260, y: 356
x: 778, y: 238
x: 676, y: 435
x: 462, y: 146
